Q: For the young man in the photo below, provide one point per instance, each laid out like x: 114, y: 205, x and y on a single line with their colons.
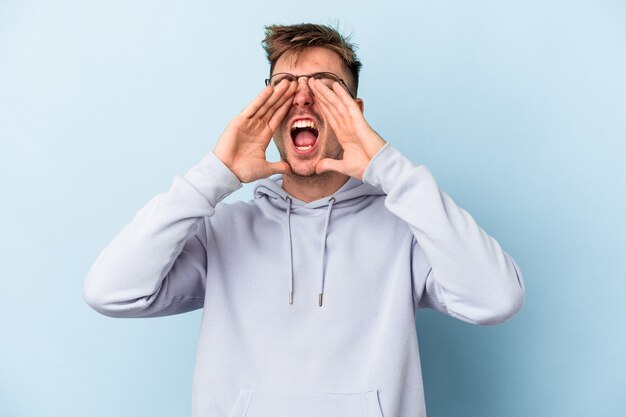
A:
x: 310, y: 290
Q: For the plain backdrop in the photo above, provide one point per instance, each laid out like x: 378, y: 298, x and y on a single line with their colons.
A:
x: 517, y: 107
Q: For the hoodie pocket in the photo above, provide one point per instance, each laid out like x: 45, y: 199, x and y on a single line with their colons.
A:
x: 261, y: 403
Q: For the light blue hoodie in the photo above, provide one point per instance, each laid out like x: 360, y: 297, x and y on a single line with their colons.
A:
x: 270, y: 345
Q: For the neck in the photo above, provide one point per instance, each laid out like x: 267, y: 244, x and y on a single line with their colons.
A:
x: 314, y: 187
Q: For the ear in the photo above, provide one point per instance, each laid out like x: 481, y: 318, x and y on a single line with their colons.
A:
x: 360, y: 103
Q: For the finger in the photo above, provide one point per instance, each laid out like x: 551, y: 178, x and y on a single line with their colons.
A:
x: 328, y: 164
x: 346, y: 116
x: 347, y: 99
x: 341, y: 91
x: 341, y: 99
x: 322, y: 100
x: 328, y: 111
x: 278, y: 92
x: 287, y: 96
x: 328, y: 95
x: 257, y: 102
x: 279, y: 114
x: 275, y: 100
x: 333, y: 123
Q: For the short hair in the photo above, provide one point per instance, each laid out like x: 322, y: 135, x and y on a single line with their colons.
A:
x: 293, y: 39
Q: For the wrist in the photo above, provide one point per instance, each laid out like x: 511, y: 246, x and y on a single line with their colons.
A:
x: 223, y: 156
x: 375, y: 145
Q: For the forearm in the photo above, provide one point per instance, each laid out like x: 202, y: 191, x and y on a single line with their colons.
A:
x: 157, y: 264
x: 472, y: 277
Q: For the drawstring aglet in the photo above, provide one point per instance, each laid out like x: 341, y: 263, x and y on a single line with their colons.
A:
x: 321, y: 297
x: 290, y: 297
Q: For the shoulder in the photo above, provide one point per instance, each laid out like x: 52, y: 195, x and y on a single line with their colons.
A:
x: 234, y: 209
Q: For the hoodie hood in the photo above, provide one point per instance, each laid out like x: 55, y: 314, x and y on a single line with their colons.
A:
x: 352, y: 193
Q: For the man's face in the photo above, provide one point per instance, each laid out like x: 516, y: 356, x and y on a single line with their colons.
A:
x: 305, y: 137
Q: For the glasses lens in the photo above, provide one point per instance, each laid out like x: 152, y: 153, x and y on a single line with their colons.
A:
x: 277, y: 78
x: 327, y: 78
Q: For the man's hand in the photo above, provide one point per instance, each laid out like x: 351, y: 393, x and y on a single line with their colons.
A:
x: 242, y: 145
x: 359, y: 141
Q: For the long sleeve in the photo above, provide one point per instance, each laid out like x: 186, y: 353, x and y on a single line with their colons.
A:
x: 457, y: 268
x: 157, y: 264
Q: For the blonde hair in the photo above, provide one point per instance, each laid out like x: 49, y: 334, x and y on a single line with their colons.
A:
x: 293, y: 39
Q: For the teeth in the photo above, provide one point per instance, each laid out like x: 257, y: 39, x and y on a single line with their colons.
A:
x: 304, y: 148
x: 299, y: 124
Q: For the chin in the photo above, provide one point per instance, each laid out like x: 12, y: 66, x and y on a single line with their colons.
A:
x: 301, y: 169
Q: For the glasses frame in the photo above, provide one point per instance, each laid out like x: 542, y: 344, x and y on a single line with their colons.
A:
x: 314, y: 74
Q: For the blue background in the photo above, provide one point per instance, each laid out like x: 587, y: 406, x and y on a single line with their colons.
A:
x: 518, y: 108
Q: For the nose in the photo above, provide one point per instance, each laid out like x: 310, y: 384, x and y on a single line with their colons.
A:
x: 303, y: 96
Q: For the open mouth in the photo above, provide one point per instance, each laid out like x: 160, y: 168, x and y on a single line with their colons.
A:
x: 304, y: 134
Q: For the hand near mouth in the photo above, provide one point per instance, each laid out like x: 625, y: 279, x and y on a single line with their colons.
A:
x: 243, y: 144
x: 359, y: 141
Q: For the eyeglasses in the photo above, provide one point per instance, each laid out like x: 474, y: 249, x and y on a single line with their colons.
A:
x: 328, y: 78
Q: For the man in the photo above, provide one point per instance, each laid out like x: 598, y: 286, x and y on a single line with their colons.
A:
x: 310, y: 290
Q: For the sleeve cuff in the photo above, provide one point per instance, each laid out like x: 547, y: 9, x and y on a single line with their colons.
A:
x: 212, y: 179
x: 389, y: 166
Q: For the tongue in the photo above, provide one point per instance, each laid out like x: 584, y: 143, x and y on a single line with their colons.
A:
x: 304, y: 138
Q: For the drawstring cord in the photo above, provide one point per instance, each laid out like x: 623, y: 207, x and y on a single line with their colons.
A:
x: 331, y: 201
x: 290, y: 250
x: 330, y: 208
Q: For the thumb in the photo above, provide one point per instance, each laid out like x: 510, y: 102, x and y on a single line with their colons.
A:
x: 281, y: 167
x: 328, y: 164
